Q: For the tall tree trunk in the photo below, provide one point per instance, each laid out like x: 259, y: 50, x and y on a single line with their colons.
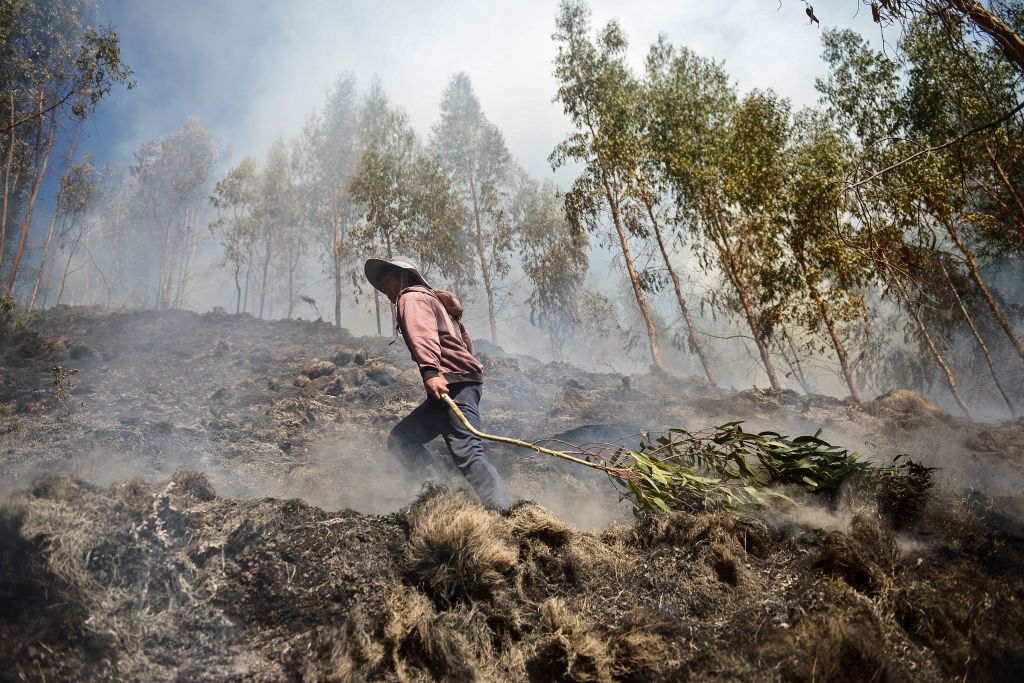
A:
x: 978, y: 338
x: 46, y: 250
x: 238, y: 291
x: 336, y: 217
x: 950, y: 381
x: 166, y: 299
x: 1010, y: 188
x: 826, y: 318
x: 248, y: 279
x: 266, y: 272
x: 652, y: 333
x: 972, y: 267
x: 733, y: 273
x: 484, y: 265
x: 291, y: 288
x: 684, y: 309
x: 794, y: 365
x: 67, y: 264
x: 27, y: 221
x: 7, y: 184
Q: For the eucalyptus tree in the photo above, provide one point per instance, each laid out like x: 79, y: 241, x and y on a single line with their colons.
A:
x: 817, y: 232
x: 650, y: 187
x: 236, y: 199
x: 78, y: 192
x: 554, y: 259
x: 725, y: 161
x: 596, y: 88
x: 171, y: 177
x: 54, y: 69
x: 472, y: 152
x: 975, y: 191
x: 324, y: 162
x: 403, y: 194
x: 864, y: 94
x: 275, y: 212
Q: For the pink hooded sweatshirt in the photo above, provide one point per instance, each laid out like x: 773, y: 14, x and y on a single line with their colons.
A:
x: 438, y: 342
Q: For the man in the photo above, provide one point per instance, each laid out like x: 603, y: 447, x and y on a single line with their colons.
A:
x: 441, y: 347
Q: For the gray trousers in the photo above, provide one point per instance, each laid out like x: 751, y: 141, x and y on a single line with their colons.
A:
x: 434, y: 418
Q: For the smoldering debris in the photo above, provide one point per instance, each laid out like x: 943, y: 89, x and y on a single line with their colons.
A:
x: 195, y: 573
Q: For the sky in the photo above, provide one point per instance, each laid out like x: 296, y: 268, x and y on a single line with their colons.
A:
x: 254, y: 70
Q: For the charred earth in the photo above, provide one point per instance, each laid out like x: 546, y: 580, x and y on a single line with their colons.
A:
x: 207, y: 497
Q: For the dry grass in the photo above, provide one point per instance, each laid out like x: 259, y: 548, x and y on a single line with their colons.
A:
x: 866, y: 558
x: 457, y: 550
x: 569, y: 647
x: 136, y: 581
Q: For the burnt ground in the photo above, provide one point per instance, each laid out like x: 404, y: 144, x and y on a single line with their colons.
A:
x: 208, y: 498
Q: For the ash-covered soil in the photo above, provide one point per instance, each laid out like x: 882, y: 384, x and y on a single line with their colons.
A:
x: 208, y: 498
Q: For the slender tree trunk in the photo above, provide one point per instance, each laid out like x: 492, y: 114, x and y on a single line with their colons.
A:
x: 950, y: 381
x: 1010, y: 188
x: 270, y: 294
x: 826, y: 318
x: 794, y: 365
x: 844, y: 361
x: 46, y: 249
x: 978, y: 338
x: 164, y: 256
x: 291, y: 288
x: 27, y: 222
x: 67, y: 264
x: 684, y: 309
x: 972, y: 267
x: 7, y: 183
x: 248, y: 278
x: 652, y: 333
x: 266, y: 271
x: 336, y: 216
x: 484, y: 265
x: 238, y: 291
x: 732, y: 272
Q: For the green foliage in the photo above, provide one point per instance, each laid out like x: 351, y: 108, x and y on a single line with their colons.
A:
x: 553, y: 257
x: 729, y: 467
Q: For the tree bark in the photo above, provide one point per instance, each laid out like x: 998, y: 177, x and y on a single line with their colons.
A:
x: 1008, y: 41
x: 336, y: 217
x: 46, y: 249
x: 7, y: 185
x: 652, y: 333
x: 238, y: 291
x: 266, y: 271
x: 1012, y: 190
x: 683, y: 308
x: 972, y: 267
x: 27, y: 221
x: 977, y: 337
x: 950, y: 381
x: 732, y: 272
x: 484, y: 266
x: 826, y: 317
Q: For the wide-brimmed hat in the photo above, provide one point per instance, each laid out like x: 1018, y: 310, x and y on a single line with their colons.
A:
x: 373, y: 267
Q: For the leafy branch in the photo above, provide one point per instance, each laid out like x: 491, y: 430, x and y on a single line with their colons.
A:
x: 728, y: 467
